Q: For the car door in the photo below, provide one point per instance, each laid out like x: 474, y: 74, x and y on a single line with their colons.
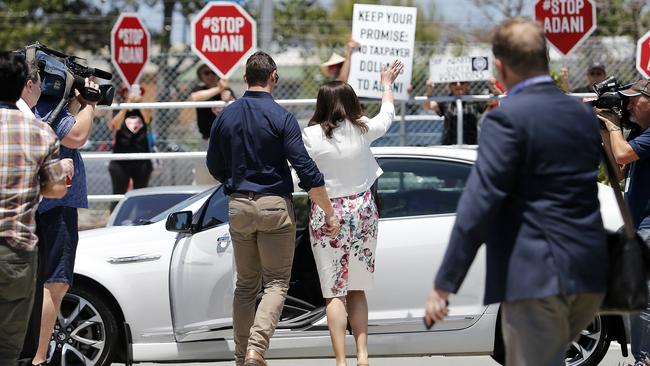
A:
x: 201, y: 275
x: 418, y: 199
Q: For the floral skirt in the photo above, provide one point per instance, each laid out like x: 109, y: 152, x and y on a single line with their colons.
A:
x: 346, y: 262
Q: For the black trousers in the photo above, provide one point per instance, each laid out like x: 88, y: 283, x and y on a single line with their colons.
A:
x: 122, y: 171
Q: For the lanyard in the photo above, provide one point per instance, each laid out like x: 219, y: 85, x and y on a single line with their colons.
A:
x: 528, y: 82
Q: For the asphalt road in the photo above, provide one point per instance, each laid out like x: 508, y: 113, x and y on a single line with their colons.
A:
x: 613, y: 358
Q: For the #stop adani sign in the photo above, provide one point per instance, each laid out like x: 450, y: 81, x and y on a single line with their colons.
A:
x: 130, y: 42
x: 567, y: 23
x: 222, y: 35
x: 643, y: 55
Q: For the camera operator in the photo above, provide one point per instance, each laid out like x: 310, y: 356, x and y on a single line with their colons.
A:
x: 636, y: 153
x: 58, y: 218
x: 31, y: 91
x: 31, y: 170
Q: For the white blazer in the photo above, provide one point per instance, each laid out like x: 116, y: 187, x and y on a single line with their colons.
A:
x: 345, y: 159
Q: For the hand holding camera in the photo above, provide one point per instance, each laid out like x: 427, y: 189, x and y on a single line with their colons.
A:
x: 89, y: 94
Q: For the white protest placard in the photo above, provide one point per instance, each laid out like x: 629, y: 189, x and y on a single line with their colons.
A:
x: 385, y: 33
x: 445, y: 69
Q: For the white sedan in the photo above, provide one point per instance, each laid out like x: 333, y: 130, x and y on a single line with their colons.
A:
x: 143, y: 293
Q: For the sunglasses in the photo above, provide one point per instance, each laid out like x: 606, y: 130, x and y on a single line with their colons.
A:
x: 207, y: 72
x: 596, y: 73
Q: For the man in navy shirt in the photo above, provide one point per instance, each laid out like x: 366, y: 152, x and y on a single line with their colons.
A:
x: 250, y: 143
x: 636, y: 153
x: 57, y: 218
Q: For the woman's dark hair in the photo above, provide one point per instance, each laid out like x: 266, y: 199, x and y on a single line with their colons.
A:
x: 259, y: 68
x: 13, y: 73
x: 335, y: 103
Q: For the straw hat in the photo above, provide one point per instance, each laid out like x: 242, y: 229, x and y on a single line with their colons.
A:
x: 335, y: 59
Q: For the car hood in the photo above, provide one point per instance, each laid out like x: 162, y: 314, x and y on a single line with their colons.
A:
x: 122, y: 240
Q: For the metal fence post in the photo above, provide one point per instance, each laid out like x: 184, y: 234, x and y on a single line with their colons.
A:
x: 402, y: 124
x: 459, y: 122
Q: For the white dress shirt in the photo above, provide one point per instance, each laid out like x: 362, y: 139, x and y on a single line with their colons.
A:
x: 345, y: 159
x: 23, y: 107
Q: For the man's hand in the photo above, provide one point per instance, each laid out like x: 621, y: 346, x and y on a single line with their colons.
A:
x: 436, y: 308
x: 608, y: 118
x: 332, y: 225
x: 68, y: 167
x: 89, y: 84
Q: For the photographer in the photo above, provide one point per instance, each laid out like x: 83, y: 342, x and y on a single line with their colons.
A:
x: 58, y: 218
x: 636, y: 153
x: 32, y: 170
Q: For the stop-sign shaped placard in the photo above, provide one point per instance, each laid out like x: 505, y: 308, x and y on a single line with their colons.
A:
x: 130, y: 42
x: 643, y: 55
x: 223, y: 34
x: 567, y: 23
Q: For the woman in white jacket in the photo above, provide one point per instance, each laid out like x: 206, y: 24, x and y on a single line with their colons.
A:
x: 338, y: 139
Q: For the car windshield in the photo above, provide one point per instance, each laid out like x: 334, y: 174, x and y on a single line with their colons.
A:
x: 142, y: 208
x: 181, y: 205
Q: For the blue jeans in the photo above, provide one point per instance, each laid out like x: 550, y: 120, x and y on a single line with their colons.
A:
x: 640, y: 324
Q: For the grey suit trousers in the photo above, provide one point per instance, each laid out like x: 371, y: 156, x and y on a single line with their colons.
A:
x: 538, y: 332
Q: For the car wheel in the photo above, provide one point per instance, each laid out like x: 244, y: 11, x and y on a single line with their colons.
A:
x: 588, y: 350
x: 85, y: 332
x: 591, y: 347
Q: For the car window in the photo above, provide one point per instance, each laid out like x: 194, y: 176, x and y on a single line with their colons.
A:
x: 181, y: 205
x: 144, y: 207
x: 301, y: 208
x: 215, y: 211
x: 413, y: 187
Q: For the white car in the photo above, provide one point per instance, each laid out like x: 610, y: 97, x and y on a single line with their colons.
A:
x: 143, y: 293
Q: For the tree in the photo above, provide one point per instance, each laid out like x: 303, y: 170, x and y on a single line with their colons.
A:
x: 300, y: 19
x: 622, y: 17
x: 496, y: 10
x: 59, y: 24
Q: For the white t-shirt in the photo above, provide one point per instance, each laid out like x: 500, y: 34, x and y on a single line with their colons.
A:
x: 345, y: 159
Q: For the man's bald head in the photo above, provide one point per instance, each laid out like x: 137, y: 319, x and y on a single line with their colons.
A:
x: 520, y: 44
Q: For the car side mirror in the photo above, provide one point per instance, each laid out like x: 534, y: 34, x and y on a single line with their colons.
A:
x: 179, y: 222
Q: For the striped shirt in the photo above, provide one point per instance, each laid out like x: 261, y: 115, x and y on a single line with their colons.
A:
x: 29, y: 158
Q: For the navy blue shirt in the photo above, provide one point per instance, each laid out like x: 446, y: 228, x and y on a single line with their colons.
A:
x: 76, y: 196
x: 638, y: 190
x: 250, y: 143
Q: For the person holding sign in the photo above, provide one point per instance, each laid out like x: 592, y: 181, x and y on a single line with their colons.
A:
x: 471, y: 114
x: 338, y: 67
x: 339, y: 135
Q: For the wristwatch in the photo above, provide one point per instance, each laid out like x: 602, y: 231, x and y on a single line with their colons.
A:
x: 615, y: 128
x: 387, y: 87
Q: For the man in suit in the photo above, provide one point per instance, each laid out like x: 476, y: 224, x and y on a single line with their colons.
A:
x: 532, y: 197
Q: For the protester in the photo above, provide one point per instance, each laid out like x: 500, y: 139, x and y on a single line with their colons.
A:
x: 250, y: 143
x: 31, y: 168
x: 532, y: 197
x: 340, y: 135
x: 130, y: 135
x: 58, y: 218
x: 635, y: 153
x: 471, y: 114
x: 212, y: 88
x: 31, y: 91
x: 595, y: 74
x: 337, y: 67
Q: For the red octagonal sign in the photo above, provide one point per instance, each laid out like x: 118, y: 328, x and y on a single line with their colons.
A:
x: 567, y: 23
x: 643, y: 55
x: 130, y: 42
x: 223, y: 34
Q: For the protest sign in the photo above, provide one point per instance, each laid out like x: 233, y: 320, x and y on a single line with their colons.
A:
x: 385, y: 33
x: 445, y: 69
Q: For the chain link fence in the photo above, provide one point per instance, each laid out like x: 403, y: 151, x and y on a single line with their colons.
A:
x: 172, y: 77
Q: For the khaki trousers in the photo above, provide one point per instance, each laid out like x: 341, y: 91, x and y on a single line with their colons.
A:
x: 263, y: 232
x: 538, y: 332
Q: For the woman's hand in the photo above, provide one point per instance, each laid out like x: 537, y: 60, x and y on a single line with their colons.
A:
x: 389, y: 74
